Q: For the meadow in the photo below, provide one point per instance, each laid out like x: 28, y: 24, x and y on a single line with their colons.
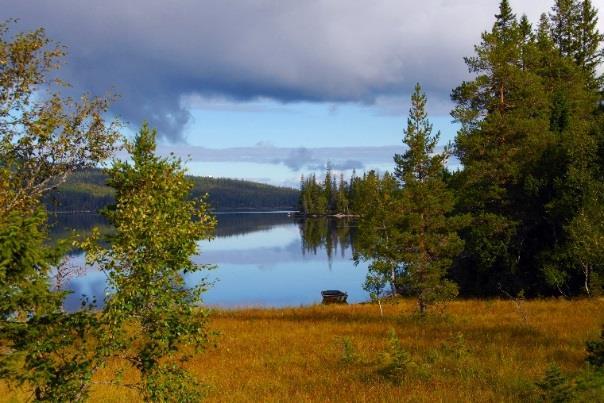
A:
x: 477, y: 350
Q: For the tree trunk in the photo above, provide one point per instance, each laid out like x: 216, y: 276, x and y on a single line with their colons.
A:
x: 422, y: 306
x: 586, y: 273
x: 393, y: 282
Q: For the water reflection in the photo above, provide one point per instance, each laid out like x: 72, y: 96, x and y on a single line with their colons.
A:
x: 264, y: 259
x: 328, y: 234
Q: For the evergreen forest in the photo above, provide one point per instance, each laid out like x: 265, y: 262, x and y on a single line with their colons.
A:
x: 528, y: 202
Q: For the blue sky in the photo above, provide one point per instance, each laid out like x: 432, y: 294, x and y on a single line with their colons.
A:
x: 306, y: 125
x: 300, y: 125
x: 269, y: 89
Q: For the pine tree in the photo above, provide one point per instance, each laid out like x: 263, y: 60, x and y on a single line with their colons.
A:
x: 428, y: 237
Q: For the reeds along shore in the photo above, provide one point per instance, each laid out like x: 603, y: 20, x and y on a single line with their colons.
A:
x: 477, y: 350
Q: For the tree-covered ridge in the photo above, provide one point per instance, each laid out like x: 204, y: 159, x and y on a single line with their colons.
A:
x: 87, y: 191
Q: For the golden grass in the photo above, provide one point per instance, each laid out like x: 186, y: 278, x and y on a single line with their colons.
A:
x: 483, y: 351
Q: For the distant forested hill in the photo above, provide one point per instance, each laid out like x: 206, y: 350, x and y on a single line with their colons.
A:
x: 86, y: 191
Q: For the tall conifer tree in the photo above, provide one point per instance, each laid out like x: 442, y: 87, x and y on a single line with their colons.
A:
x: 565, y: 17
x: 589, y: 53
x: 428, y: 238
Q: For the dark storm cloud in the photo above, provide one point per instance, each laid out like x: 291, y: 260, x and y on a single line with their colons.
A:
x: 155, y: 52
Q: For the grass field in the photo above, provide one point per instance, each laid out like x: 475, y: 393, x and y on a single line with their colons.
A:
x: 484, y: 351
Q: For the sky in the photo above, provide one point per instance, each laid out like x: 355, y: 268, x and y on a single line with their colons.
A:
x: 269, y: 89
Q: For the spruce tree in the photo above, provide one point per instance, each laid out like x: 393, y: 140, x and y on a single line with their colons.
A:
x: 428, y: 239
x: 565, y: 17
x: 342, y: 197
x: 505, y: 19
x: 589, y: 53
x: 328, y: 189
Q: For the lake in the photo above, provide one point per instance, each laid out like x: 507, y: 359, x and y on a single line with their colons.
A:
x: 262, y: 259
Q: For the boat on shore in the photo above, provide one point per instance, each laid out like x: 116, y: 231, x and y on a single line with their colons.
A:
x: 334, y: 297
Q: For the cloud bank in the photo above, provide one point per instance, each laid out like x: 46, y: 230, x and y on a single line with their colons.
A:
x: 156, y: 53
x: 296, y: 159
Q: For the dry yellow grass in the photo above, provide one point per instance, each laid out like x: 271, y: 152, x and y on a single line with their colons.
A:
x: 483, y: 351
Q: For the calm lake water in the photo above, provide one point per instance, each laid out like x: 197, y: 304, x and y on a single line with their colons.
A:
x: 262, y: 259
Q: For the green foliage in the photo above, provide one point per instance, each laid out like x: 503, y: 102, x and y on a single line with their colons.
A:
x: 586, y: 233
x: 170, y: 383
x: 341, y: 197
x: 529, y: 153
x: 456, y: 346
x: 56, y: 354
x: 396, y: 361
x: 428, y: 237
x: 314, y: 197
x: 378, y: 229
x: 407, y: 229
x: 328, y: 197
x: 41, y: 342
x: 376, y: 280
x: 555, y: 387
x: 44, y: 136
x: 25, y: 263
x: 349, y: 352
x: 150, y: 311
x: 586, y: 386
x: 595, y: 352
x: 589, y: 386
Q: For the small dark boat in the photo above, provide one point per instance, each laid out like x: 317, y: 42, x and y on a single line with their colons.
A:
x: 334, y: 297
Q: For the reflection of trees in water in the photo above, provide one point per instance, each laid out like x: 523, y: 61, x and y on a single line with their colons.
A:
x: 63, y: 225
x: 332, y: 235
x: 318, y: 234
x: 230, y: 224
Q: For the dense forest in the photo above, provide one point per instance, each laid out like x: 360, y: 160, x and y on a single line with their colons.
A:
x: 525, y: 214
x: 88, y: 191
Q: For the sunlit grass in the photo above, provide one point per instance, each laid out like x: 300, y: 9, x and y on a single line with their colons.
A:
x: 476, y: 351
